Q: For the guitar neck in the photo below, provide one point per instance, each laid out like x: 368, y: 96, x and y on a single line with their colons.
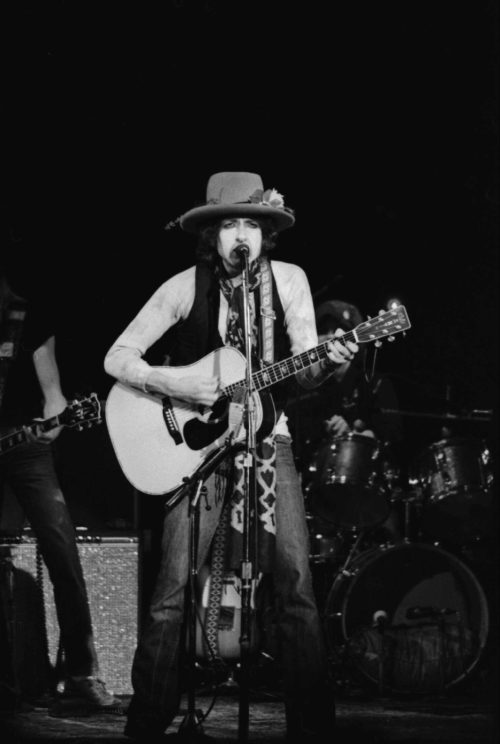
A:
x: 20, y: 436
x: 281, y: 370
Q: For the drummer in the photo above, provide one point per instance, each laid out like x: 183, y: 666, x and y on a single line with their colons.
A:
x: 354, y: 399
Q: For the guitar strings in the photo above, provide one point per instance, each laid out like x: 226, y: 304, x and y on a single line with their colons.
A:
x: 279, y: 371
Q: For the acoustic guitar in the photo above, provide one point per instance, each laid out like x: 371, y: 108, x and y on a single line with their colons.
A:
x: 160, y: 440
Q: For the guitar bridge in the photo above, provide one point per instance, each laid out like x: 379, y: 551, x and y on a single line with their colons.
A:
x: 170, y: 420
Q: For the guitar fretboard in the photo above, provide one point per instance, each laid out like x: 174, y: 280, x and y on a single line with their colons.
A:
x: 79, y: 413
x: 281, y: 370
x: 20, y: 436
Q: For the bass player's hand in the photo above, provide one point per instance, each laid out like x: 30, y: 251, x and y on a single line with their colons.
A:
x: 199, y: 391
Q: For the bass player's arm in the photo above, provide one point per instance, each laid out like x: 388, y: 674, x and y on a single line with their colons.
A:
x: 47, y: 372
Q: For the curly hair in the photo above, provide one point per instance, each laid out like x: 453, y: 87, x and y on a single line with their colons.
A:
x: 206, y: 250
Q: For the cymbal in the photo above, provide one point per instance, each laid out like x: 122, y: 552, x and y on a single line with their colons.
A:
x: 474, y: 415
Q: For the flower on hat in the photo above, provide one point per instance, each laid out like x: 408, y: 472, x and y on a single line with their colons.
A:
x: 270, y: 198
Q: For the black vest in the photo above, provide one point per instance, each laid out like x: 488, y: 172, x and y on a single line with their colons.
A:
x: 198, y: 334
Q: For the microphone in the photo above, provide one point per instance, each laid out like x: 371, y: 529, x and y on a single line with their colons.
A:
x: 242, y: 250
x: 380, y: 618
x: 414, y: 613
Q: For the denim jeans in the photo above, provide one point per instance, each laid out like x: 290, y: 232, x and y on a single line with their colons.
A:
x: 29, y: 470
x: 155, y: 672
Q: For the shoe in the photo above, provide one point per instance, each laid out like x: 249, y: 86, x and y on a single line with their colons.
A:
x: 92, y: 690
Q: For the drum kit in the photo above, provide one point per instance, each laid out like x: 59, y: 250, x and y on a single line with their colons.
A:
x: 403, y: 610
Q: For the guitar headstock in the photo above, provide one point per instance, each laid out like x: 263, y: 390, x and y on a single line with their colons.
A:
x: 386, y: 325
x: 82, y: 413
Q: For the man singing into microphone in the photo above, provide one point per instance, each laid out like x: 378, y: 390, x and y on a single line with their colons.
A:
x: 205, y: 302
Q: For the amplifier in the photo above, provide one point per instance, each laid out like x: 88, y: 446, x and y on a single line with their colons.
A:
x: 111, y: 570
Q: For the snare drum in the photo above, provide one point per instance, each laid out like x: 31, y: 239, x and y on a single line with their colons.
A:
x: 347, y: 489
x: 456, y: 480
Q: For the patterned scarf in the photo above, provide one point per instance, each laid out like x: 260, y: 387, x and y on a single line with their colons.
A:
x: 263, y: 532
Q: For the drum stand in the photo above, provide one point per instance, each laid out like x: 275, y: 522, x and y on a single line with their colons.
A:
x: 381, y: 622
x: 411, y: 501
x: 338, y: 651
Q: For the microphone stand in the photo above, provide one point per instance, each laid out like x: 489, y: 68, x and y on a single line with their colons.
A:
x: 247, y: 569
x: 190, y: 730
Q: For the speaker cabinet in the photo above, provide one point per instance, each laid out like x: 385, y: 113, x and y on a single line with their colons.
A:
x: 111, y: 569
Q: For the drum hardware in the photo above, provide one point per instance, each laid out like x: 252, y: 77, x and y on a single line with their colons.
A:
x: 380, y: 620
x: 416, y: 613
x: 438, y: 614
x: 325, y: 540
x: 474, y: 415
x: 326, y: 549
x: 412, y: 502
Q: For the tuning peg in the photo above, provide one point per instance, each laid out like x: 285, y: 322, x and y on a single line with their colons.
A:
x: 378, y: 344
x: 391, y: 338
x: 381, y: 312
x: 79, y: 427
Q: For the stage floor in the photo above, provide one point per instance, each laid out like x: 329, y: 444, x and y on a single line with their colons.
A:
x: 375, y: 720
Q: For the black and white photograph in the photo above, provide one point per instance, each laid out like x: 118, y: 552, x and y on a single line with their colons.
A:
x: 249, y: 372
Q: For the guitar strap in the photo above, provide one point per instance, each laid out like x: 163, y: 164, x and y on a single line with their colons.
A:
x: 267, y: 314
x: 217, y: 571
x: 9, y: 345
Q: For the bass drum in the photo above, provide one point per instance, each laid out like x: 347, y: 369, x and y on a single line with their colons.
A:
x: 415, y: 656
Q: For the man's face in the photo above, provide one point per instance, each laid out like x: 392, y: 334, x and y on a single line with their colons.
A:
x: 234, y: 232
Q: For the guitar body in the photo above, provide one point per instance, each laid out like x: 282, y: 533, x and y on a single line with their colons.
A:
x: 229, y: 631
x: 148, y: 453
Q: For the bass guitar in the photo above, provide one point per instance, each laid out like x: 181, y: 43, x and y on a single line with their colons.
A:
x: 160, y: 440
x: 79, y: 414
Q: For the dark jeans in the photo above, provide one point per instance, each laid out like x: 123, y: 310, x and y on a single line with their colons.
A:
x: 155, y: 674
x: 29, y: 470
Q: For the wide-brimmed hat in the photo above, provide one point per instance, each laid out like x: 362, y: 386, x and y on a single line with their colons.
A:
x: 238, y: 194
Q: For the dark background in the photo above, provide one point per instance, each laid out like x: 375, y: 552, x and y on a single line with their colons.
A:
x: 379, y: 125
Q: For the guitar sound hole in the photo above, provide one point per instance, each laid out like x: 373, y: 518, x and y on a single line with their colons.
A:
x: 219, y: 411
x: 200, y: 434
